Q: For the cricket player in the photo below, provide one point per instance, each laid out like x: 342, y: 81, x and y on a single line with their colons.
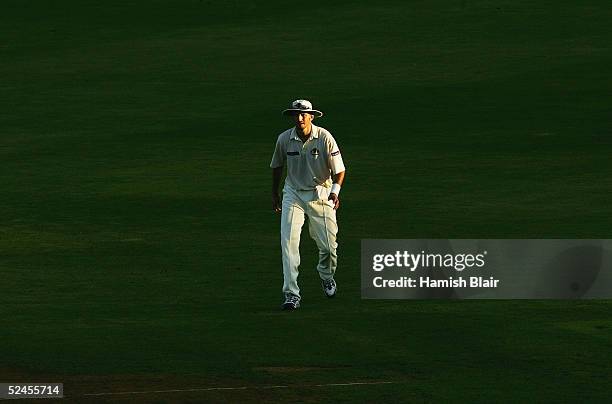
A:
x: 315, y: 173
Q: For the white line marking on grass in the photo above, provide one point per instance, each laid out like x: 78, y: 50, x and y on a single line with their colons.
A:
x: 239, y: 388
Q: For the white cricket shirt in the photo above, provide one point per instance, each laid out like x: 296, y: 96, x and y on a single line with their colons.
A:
x: 309, y: 163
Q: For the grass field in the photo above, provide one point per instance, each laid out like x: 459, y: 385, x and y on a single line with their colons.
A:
x: 138, y: 250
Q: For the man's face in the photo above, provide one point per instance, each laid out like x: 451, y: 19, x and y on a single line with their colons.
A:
x: 302, y: 120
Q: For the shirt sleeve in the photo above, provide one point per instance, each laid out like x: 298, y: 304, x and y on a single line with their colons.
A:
x: 336, y: 165
x: 280, y: 156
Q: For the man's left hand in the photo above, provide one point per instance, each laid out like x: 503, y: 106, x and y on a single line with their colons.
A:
x: 334, y: 198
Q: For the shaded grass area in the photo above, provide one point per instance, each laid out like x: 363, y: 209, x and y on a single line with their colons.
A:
x: 137, y: 237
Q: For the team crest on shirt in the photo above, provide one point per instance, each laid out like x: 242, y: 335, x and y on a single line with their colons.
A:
x: 314, y: 152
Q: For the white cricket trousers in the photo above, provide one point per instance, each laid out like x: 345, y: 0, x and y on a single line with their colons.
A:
x: 322, y: 227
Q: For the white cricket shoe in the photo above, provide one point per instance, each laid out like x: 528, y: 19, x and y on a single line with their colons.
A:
x: 329, y: 287
x: 292, y: 302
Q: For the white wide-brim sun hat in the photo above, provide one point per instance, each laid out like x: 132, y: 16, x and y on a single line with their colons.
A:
x: 302, y: 106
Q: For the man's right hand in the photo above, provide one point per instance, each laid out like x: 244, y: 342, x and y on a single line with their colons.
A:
x: 276, y: 203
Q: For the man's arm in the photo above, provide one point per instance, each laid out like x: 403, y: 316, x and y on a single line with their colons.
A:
x: 338, y: 179
x: 277, y: 173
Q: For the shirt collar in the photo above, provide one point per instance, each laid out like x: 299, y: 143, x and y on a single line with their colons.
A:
x: 314, y: 134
